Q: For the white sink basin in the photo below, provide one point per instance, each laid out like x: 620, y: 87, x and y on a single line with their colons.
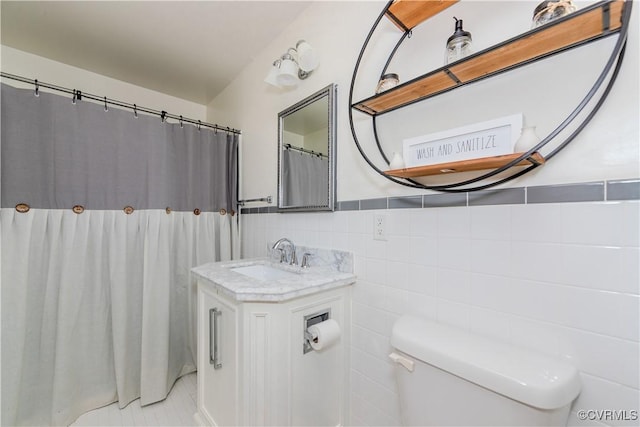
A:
x: 264, y: 272
x: 263, y: 280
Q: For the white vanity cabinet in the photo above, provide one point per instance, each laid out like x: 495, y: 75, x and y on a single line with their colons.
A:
x: 253, y: 369
x: 217, y: 360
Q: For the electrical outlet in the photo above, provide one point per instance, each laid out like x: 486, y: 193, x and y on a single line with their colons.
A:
x: 379, y: 227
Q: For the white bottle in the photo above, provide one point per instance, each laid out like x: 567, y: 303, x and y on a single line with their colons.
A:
x: 528, y: 139
x: 397, y: 162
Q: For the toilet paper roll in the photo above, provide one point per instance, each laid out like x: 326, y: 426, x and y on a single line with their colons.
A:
x: 324, y: 334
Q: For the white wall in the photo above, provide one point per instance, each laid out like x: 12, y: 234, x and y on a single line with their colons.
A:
x: 545, y: 92
x: 31, y: 66
x: 558, y: 279
x: 317, y: 141
x: 561, y: 279
x: 251, y: 105
x: 584, y: 311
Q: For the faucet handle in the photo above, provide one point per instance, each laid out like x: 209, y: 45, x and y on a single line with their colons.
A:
x: 305, y: 260
x: 283, y: 255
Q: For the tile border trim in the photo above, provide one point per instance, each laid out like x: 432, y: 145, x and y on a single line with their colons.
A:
x: 596, y: 191
x: 567, y: 193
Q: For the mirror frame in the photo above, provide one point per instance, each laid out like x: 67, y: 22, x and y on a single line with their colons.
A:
x: 330, y: 92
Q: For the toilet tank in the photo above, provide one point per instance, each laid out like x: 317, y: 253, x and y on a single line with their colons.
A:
x: 447, y: 376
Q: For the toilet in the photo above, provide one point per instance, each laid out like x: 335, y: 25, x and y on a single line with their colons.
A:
x: 449, y: 377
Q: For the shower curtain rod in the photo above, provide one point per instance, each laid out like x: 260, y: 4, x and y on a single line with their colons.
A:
x: 79, y: 95
x: 293, y: 147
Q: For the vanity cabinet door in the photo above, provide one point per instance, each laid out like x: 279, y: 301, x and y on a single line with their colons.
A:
x: 318, y: 388
x: 217, y: 360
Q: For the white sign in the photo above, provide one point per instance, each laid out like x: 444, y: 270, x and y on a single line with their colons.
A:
x: 486, y: 139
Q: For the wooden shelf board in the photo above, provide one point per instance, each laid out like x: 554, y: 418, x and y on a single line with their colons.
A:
x: 580, y: 27
x: 407, y: 14
x: 431, y: 83
x: 464, y: 166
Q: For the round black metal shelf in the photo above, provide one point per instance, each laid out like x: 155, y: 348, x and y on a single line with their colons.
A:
x: 481, y: 182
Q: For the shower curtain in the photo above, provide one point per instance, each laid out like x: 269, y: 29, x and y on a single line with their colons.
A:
x: 103, y: 214
x: 305, y: 179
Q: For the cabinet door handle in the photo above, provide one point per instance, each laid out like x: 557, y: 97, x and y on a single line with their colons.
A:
x: 214, y: 350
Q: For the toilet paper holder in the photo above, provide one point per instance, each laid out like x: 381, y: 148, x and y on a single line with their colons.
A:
x: 309, y: 321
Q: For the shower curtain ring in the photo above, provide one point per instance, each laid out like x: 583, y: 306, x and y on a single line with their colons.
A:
x: 106, y: 108
x: 77, y: 96
x: 181, y: 121
x: 199, y: 123
x: 135, y: 111
x: 37, y: 88
x: 163, y: 116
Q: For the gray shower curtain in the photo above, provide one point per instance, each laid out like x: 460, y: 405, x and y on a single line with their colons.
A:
x: 305, y: 179
x: 103, y: 214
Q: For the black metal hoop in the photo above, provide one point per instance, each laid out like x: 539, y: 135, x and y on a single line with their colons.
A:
x: 615, y: 61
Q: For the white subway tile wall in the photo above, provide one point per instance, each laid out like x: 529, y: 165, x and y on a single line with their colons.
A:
x: 562, y: 279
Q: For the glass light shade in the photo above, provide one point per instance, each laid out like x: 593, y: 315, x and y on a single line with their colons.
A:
x: 288, y: 75
x: 272, y: 77
x: 307, y: 58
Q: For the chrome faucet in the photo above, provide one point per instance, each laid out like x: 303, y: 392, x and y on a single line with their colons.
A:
x: 305, y: 260
x: 291, y: 259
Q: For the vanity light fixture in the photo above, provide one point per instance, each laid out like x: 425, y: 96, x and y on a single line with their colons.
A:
x: 296, y: 64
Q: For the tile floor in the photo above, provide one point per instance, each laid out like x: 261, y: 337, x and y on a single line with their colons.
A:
x: 176, y: 410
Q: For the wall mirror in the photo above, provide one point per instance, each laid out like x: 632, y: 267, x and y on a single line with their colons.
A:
x: 306, y: 153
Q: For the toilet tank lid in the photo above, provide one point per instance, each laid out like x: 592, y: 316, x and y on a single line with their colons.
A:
x: 519, y: 374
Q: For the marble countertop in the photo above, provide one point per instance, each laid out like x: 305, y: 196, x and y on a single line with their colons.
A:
x: 242, y: 288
